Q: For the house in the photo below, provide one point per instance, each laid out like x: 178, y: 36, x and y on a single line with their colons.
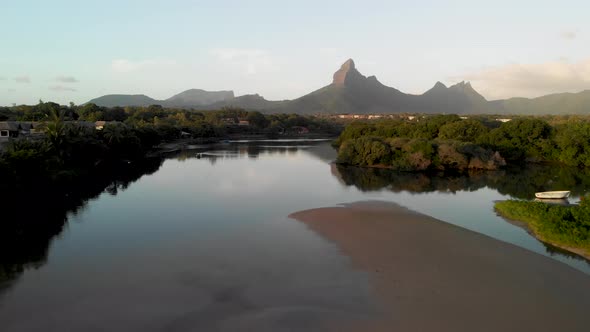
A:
x: 99, y: 125
x: 243, y: 123
x: 9, y: 129
x: 504, y: 120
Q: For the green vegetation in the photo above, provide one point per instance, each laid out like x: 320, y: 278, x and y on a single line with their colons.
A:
x: 170, y: 123
x: 567, y: 227
x: 448, y: 142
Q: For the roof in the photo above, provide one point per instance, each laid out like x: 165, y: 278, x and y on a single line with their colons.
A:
x: 9, y: 125
x: 26, y: 125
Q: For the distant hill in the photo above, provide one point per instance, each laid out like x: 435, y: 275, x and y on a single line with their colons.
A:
x: 197, y: 97
x: 187, y: 99
x: 352, y: 92
x: 124, y: 100
x: 559, y: 103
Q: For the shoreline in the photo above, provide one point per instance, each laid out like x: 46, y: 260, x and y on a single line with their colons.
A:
x: 429, y: 275
x: 582, y: 253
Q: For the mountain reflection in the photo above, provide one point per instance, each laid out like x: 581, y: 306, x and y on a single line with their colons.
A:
x: 519, y: 183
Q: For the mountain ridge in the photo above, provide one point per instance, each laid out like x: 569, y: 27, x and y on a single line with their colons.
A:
x: 352, y: 92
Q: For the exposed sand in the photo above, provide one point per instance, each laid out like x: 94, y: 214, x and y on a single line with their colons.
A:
x: 433, y: 276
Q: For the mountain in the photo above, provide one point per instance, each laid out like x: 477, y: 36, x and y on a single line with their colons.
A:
x: 249, y: 102
x: 458, y: 98
x: 197, y: 97
x: 352, y: 92
x: 559, y: 103
x: 123, y: 100
x: 187, y: 99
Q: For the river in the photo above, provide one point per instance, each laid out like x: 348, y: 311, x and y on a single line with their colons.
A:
x: 204, y: 241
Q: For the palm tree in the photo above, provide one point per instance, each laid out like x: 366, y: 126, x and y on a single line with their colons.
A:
x: 114, y: 133
x: 55, y: 131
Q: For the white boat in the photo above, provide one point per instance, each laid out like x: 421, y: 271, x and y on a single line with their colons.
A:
x: 553, y: 194
x: 554, y: 201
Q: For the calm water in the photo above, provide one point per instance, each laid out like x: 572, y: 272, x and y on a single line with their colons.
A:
x: 204, y: 243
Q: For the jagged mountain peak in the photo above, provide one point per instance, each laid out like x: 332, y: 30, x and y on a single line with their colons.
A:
x: 347, y: 69
x: 462, y: 86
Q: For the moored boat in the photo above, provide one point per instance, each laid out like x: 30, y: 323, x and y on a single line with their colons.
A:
x: 554, y: 201
x: 553, y: 194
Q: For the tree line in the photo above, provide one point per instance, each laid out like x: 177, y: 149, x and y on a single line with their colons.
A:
x: 444, y: 142
x: 171, y: 122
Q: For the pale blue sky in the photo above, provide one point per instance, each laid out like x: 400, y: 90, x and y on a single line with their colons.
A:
x: 65, y: 50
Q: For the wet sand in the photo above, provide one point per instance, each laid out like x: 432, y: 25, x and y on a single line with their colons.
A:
x: 429, y: 275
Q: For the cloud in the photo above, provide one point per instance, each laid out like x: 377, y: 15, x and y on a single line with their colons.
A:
x: 127, y: 66
x: 2, y: 78
x: 22, y: 79
x: 530, y: 80
x: 249, y: 61
x: 62, y: 88
x: 66, y: 79
x: 569, y: 35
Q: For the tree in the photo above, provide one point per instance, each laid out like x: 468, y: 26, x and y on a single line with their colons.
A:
x: 55, y: 131
x: 258, y: 120
x: 466, y: 130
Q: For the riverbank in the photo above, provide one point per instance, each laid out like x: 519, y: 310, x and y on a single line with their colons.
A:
x: 432, y: 276
x: 564, y: 227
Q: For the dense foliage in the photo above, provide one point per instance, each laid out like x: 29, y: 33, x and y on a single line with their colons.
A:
x: 562, y: 226
x: 172, y: 122
x: 451, y: 142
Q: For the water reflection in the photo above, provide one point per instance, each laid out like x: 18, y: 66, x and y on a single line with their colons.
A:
x: 514, y: 182
x: 32, y: 220
x: 519, y: 183
x: 206, y: 240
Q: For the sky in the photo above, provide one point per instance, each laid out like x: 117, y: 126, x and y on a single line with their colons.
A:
x: 72, y: 51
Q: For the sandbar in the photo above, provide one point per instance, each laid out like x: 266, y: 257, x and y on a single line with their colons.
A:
x: 429, y: 275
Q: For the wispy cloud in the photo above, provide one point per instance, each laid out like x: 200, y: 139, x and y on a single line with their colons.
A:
x: 22, y: 79
x: 530, y: 80
x: 62, y: 88
x: 66, y: 79
x: 127, y: 66
x: 249, y: 61
x: 569, y: 34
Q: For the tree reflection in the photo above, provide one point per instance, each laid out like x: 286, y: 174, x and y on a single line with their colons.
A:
x: 33, y: 217
x: 516, y: 182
